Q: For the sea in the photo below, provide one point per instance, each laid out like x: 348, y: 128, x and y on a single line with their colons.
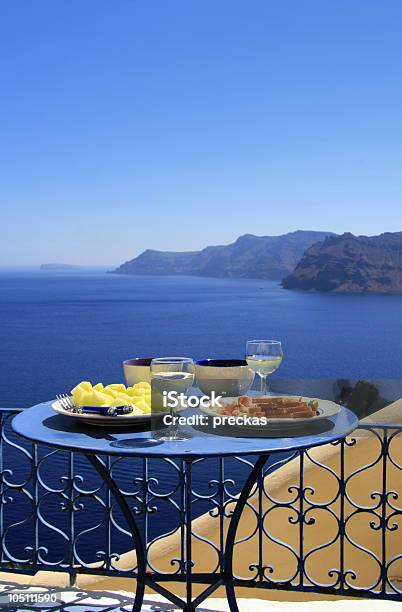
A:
x: 60, y: 327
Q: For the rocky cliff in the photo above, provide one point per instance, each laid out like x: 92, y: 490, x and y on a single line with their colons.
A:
x: 250, y: 256
x: 351, y: 264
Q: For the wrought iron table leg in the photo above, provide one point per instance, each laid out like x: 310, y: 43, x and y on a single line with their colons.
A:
x: 135, y: 533
x: 143, y: 578
x: 234, y: 523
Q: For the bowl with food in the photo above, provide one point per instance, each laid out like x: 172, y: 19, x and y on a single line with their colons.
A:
x: 225, y: 377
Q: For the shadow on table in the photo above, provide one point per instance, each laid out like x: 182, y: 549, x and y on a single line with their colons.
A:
x: 60, y: 423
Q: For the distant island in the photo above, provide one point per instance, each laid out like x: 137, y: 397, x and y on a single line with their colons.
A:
x: 58, y: 266
x: 265, y: 257
x: 351, y: 264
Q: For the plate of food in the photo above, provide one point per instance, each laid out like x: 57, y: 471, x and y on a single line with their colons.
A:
x: 274, y: 411
x: 101, y: 405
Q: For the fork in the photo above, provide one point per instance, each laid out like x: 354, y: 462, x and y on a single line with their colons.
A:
x: 68, y: 404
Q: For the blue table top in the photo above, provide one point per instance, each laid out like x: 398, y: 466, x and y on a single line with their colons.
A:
x: 41, y: 424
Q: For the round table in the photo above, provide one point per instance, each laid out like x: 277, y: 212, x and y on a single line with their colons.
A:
x: 40, y: 424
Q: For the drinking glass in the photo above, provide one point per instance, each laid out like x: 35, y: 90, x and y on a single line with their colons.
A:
x: 264, y: 357
x: 171, y: 374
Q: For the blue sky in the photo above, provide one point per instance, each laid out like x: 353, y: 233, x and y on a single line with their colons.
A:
x: 172, y: 124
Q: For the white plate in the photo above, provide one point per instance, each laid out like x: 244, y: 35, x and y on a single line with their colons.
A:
x: 325, y: 409
x: 121, y: 420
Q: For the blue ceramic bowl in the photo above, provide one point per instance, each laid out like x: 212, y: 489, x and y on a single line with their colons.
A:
x: 227, y: 377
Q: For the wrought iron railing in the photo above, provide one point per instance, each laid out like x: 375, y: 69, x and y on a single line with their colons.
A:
x: 334, y: 528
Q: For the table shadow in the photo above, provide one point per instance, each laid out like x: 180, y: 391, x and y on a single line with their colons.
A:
x: 60, y: 423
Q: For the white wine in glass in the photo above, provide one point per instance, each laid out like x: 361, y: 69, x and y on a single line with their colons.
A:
x: 264, y: 357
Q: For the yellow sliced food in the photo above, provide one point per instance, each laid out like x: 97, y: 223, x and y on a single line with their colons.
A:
x: 105, y: 398
x: 78, y: 395
x: 109, y: 392
x: 99, y: 399
x: 124, y: 399
x: 95, y: 398
x: 87, y: 399
x: 113, y: 392
x: 116, y: 401
x: 143, y: 406
x: 85, y: 385
x: 117, y: 387
x: 116, y: 394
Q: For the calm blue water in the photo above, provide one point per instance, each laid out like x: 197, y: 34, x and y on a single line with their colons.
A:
x: 57, y: 329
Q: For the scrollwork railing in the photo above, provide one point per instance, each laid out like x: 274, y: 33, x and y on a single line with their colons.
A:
x: 330, y: 523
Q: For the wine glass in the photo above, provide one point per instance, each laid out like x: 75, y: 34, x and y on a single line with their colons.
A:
x: 170, y: 374
x: 264, y: 357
